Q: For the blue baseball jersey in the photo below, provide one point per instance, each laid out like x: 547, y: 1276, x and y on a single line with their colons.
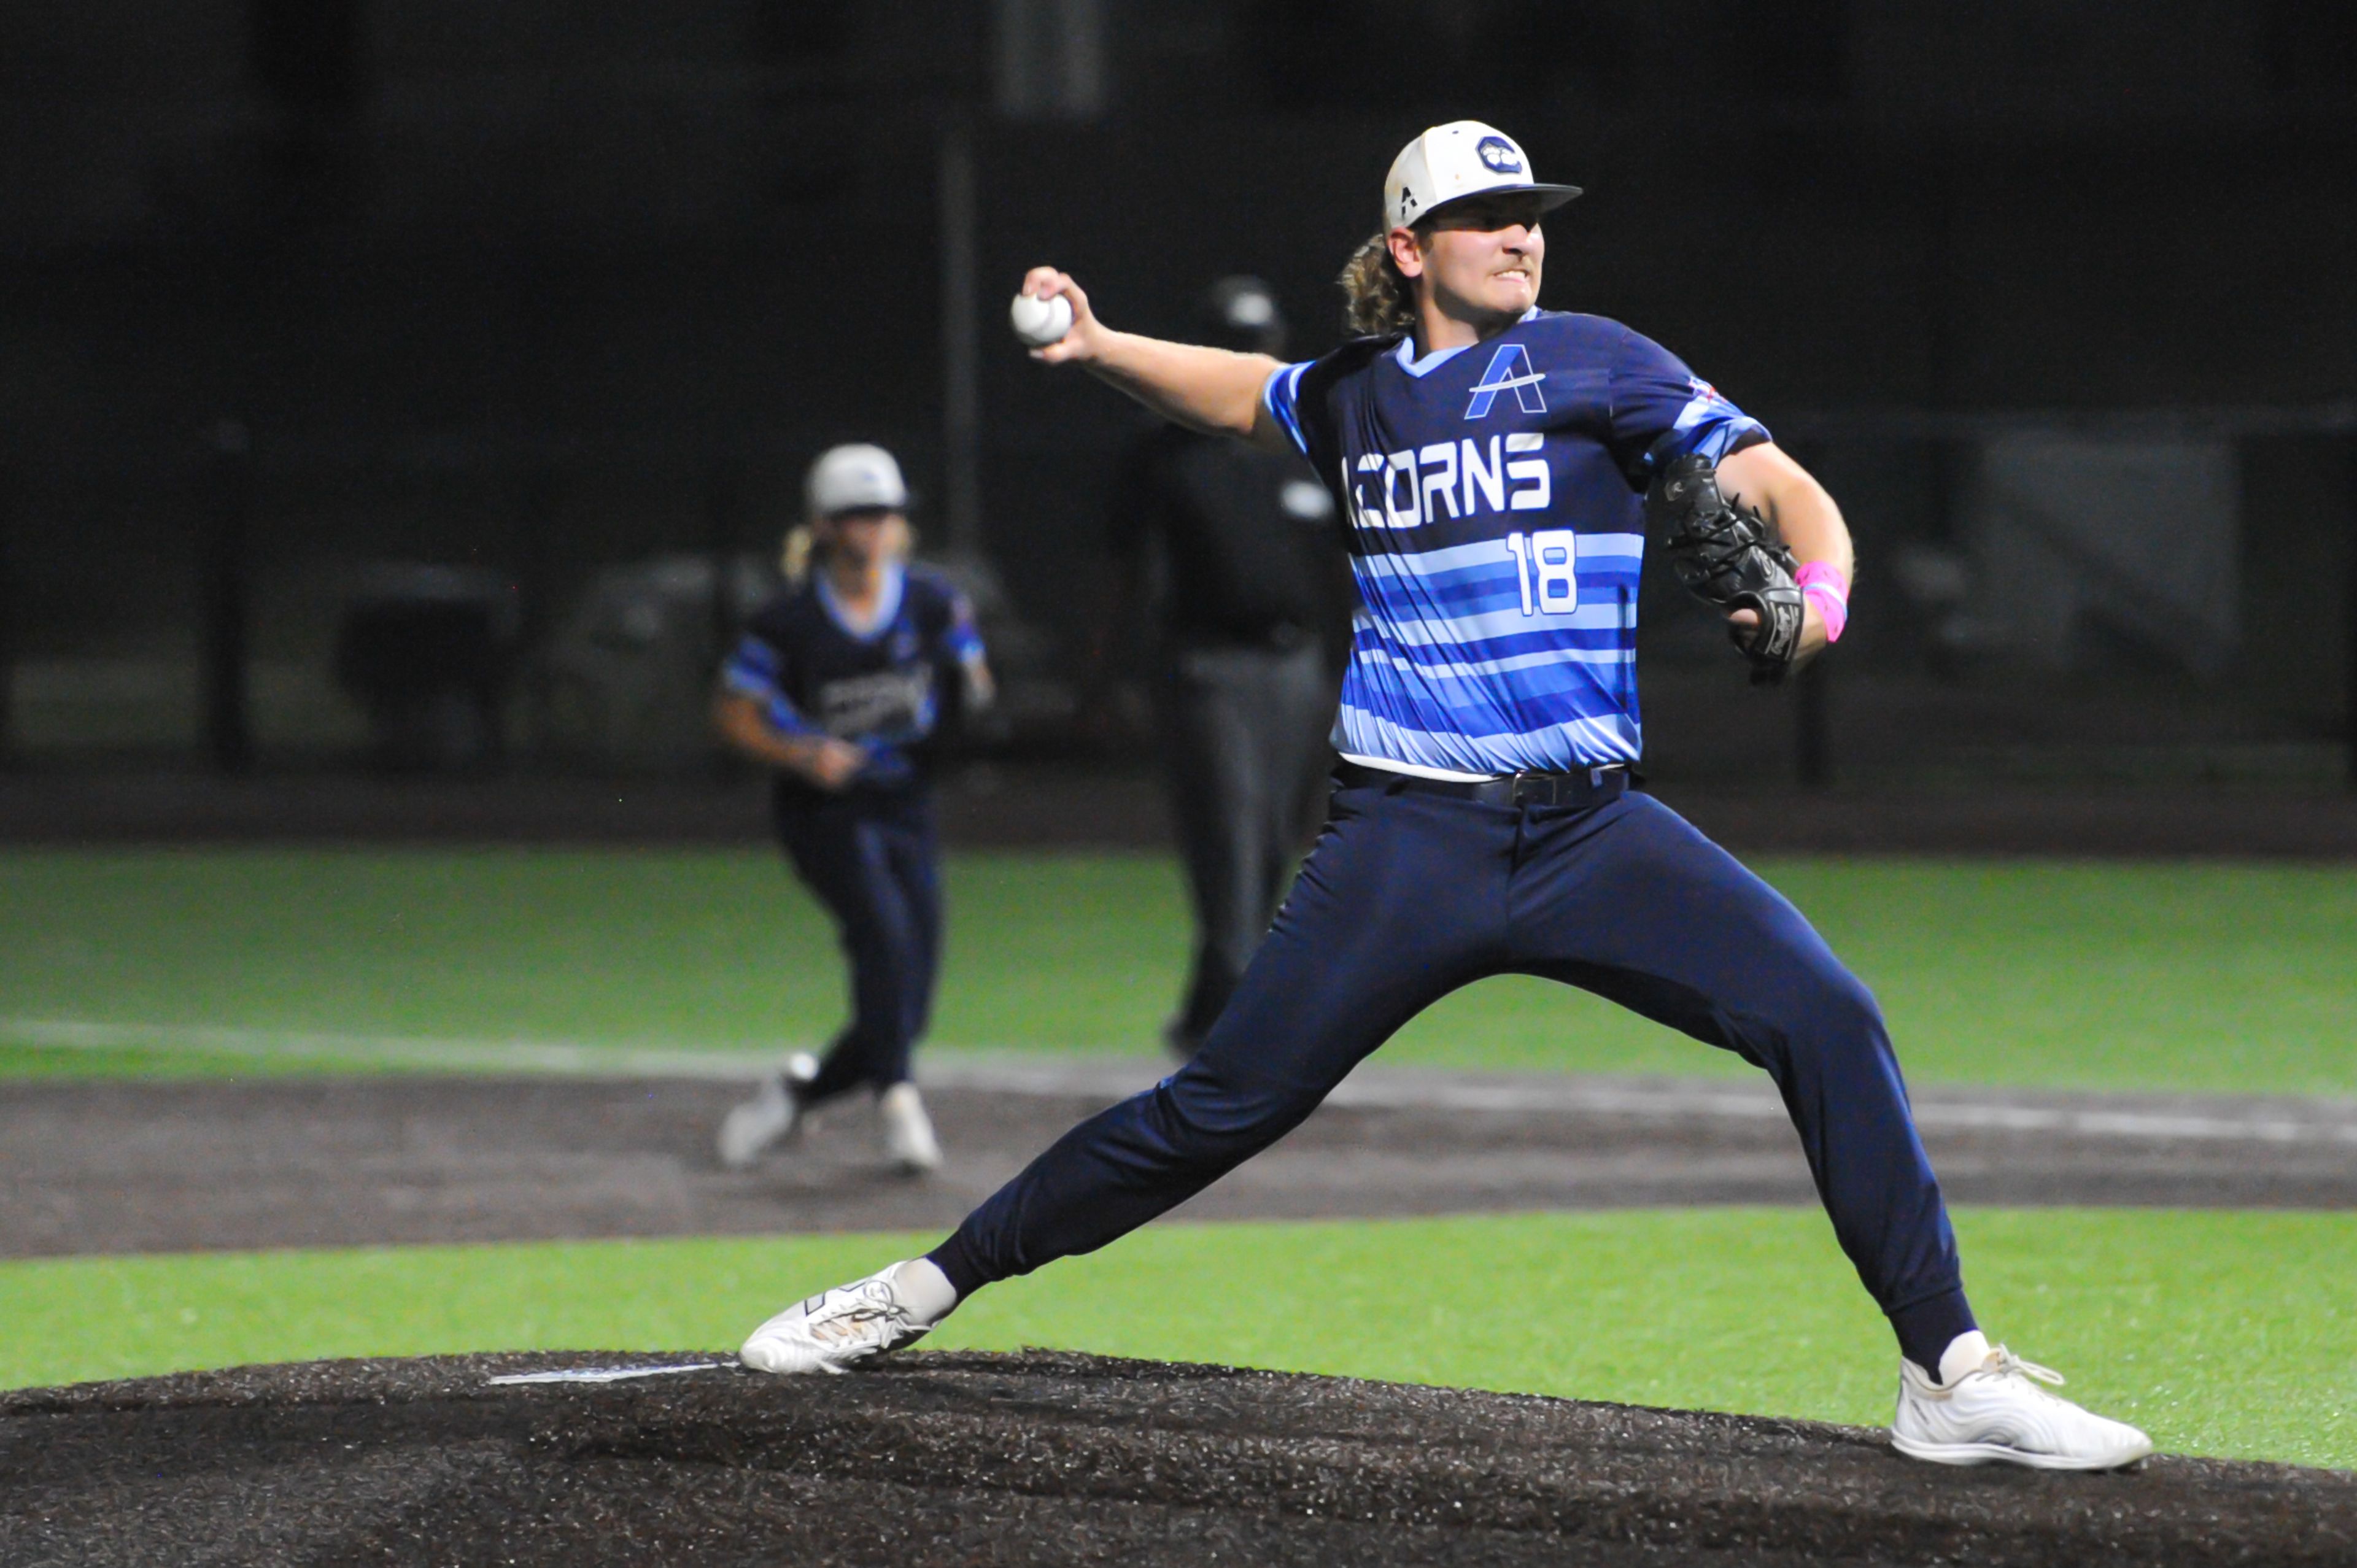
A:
x: 879, y: 687
x: 1492, y: 498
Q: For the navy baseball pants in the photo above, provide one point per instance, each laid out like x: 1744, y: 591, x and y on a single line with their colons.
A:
x: 872, y: 859
x: 1409, y: 894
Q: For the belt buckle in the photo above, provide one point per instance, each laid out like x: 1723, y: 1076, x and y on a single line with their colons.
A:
x: 1533, y: 788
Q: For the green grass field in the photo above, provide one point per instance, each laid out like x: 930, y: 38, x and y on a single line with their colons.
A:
x: 2224, y: 1333
x: 2178, y: 976
x: 2228, y: 1333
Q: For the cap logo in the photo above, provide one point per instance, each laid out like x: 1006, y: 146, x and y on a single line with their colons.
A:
x: 1407, y: 201
x: 1499, y: 154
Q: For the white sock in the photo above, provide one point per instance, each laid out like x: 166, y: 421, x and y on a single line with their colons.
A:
x: 924, y: 1290
x: 1964, y: 1354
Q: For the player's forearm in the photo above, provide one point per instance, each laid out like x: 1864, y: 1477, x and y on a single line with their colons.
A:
x: 1811, y: 526
x: 1215, y: 391
x: 739, y: 722
x: 1803, y: 514
x: 981, y: 686
x: 1766, y: 479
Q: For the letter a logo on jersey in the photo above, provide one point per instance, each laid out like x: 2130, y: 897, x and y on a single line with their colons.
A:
x: 1509, y: 370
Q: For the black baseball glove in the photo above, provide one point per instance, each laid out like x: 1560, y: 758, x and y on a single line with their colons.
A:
x: 1729, y: 558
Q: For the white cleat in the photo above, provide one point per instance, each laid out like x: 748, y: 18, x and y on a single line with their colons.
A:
x: 753, y: 1126
x: 1996, y: 1411
x: 835, y: 1329
x: 909, y: 1141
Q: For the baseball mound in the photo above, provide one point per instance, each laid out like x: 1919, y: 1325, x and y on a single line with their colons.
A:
x: 1041, y: 1457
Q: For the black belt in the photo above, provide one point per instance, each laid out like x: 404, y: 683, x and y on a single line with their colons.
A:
x: 1587, y: 787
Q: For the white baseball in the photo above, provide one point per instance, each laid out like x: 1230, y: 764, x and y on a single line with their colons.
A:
x: 1040, y: 322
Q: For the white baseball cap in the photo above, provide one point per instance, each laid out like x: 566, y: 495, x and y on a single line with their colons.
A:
x: 857, y: 477
x: 1450, y: 162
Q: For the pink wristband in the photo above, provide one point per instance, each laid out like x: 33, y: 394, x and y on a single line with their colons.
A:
x: 1831, y: 590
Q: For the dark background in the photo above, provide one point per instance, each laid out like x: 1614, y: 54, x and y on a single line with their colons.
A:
x: 291, y: 289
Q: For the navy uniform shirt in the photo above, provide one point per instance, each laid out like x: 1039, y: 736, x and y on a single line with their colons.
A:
x: 1242, y: 540
x: 1492, y: 500
x: 882, y: 689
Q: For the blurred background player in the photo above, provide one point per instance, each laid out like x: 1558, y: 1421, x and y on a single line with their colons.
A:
x: 1224, y: 565
x: 841, y: 685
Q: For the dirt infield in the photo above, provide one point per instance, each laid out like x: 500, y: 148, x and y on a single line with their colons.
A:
x: 143, y: 1167
x: 1038, y: 1458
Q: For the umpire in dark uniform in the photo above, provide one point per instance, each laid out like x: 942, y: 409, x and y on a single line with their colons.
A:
x: 1226, y: 569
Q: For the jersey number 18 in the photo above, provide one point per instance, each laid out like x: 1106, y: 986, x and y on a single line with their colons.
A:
x: 1545, y: 562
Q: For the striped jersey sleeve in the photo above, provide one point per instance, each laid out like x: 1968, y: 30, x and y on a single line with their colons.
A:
x: 1661, y: 411
x: 943, y: 615
x: 757, y: 670
x: 1282, y: 397
x: 961, y: 637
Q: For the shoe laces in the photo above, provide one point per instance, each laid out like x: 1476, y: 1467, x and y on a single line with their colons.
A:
x: 839, y: 1321
x: 2004, y: 1363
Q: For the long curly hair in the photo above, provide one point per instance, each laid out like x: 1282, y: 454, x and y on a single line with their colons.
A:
x: 1380, y: 301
